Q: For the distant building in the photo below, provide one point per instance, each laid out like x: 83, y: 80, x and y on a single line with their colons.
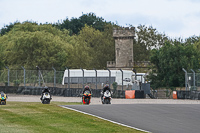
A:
x: 123, y: 49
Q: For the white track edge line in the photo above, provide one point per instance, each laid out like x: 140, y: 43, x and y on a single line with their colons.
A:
x: 106, y: 119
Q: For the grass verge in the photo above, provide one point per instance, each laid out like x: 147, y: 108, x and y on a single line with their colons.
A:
x: 27, y: 117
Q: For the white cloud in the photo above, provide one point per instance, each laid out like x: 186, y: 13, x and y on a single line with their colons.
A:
x: 174, y: 17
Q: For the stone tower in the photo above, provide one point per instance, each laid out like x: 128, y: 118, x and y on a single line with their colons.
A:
x: 123, y: 48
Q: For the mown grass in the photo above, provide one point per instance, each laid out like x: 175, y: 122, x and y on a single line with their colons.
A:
x: 25, y: 117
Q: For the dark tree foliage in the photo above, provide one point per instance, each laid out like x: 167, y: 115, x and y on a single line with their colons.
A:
x: 7, y: 28
x: 76, y: 24
x: 168, y: 63
x: 192, y: 40
x: 1, y: 64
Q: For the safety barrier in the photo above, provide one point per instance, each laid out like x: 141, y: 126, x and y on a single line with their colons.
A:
x: 131, y: 94
x: 174, y: 94
x: 72, y: 92
x: 195, y: 95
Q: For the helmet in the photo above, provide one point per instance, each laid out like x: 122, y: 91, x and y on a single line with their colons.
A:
x: 87, y: 87
x: 106, y: 86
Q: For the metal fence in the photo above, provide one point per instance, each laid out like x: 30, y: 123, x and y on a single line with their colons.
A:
x: 96, y: 79
x: 53, y: 78
x: 24, y: 77
x: 192, y: 80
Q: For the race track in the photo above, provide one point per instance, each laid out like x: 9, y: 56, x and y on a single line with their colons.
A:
x: 156, y: 118
x: 153, y: 115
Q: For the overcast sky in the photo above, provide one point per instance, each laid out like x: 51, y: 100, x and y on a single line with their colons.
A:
x: 175, y: 18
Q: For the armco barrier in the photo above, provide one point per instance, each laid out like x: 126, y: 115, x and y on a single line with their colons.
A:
x: 72, y: 92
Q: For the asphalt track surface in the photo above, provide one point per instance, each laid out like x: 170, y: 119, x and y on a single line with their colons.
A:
x: 156, y: 118
x: 153, y: 115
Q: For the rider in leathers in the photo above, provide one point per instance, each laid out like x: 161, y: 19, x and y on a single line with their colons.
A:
x: 46, y: 89
x: 106, y: 87
x: 87, y: 88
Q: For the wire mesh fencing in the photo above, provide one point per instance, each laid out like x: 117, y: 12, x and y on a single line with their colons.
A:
x: 53, y: 78
x: 193, y: 81
x: 50, y: 78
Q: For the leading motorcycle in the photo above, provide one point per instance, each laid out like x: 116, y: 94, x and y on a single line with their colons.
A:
x: 86, y: 97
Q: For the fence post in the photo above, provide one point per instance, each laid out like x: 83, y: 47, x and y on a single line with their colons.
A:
x: 83, y: 77
x: 198, y: 78
x: 95, y: 77
x: 24, y: 76
x: 109, y: 75
x: 193, y: 78
x: 8, y: 75
x: 122, y: 78
x: 68, y: 78
x: 41, y: 76
x: 54, y: 76
x: 185, y: 78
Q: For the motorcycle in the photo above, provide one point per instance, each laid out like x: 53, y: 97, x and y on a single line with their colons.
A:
x: 46, y: 96
x: 106, y: 99
x: 86, y: 97
x: 3, y: 98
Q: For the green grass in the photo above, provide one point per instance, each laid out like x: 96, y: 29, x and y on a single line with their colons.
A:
x: 25, y: 117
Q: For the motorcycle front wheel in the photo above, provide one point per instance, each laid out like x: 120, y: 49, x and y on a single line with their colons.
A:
x: 87, y: 100
x: 107, y: 101
x: 3, y: 102
x: 45, y: 101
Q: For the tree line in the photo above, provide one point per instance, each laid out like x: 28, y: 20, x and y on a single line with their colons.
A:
x: 87, y: 42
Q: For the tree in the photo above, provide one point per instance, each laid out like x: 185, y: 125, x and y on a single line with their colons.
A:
x: 1, y: 57
x: 1, y: 63
x: 29, y: 45
x: 93, y: 48
x: 168, y: 63
x: 76, y: 24
x: 147, y: 38
x: 192, y: 40
x: 7, y: 28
